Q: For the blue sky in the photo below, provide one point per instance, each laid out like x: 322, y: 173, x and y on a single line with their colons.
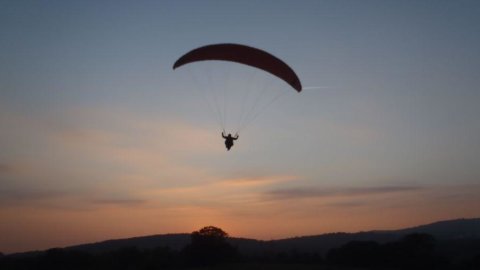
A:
x: 98, y: 130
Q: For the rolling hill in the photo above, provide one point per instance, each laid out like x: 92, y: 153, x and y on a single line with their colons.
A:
x: 443, y: 231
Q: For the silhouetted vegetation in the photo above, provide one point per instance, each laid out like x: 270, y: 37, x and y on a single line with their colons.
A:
x: 209, y: 247
x: 414, y: 251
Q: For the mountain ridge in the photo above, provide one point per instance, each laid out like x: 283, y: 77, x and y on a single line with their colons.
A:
x: 463, y: 228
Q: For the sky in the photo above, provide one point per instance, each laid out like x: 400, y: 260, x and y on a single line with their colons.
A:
x: 100, y: 138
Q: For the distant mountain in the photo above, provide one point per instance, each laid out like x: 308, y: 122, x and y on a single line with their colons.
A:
x: 450, y: 230
x: 173, y: 241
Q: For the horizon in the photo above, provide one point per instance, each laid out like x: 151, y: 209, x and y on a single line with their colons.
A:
x: 257, y: 239
x: 100, y: 138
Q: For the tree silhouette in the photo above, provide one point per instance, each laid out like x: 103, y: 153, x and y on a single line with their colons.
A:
x: 413, y: 251
x: 420, y: 243
x: 209, y: 246
x: 355, y: 253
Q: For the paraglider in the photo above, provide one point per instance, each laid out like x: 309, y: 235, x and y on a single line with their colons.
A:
x: 245, y: 55
x: 229, y: 140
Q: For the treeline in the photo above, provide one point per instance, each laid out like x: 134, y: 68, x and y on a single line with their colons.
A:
x: 414, y: 251
x: 209, y: 247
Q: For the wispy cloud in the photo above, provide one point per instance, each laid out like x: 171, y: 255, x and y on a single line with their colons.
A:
x: 295, y: 193
x: 379, y: 190
x: 120, y: 202
x: 346, y: 204
x: 25, y: 195
x: 251, y: 180
x: 71, y: 200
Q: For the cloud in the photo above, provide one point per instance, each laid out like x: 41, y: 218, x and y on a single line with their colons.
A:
x: 380, y: 190
x: 65, y: 199
x: 297, y: 193
x: 346, y: 204
x: 120, y: 202
x: 26, y: 195
x: 251, y: 180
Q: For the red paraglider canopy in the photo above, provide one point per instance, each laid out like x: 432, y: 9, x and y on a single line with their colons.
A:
x: 244, y: 55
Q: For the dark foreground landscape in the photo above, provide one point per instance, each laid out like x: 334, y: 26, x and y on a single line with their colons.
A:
x: 453, y: 244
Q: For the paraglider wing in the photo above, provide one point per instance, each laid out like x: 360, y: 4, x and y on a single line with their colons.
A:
x: 244, y: 55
